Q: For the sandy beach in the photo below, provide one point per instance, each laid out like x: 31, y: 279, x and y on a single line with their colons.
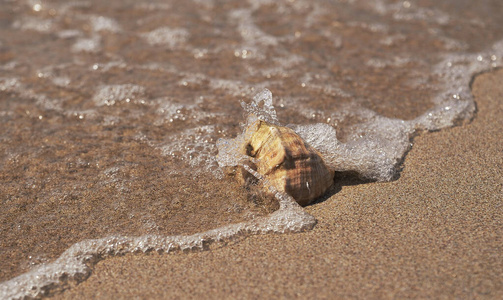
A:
x: 436, y: 232
x: 121, y: 130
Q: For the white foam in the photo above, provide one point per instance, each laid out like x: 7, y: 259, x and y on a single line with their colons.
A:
x: 112, y: 94
x: 171, y: 111
x: 261, y: 107
x: 35, y: 24
x: 101, y: 23
x: 43, y: 101
x: 91, y: 45
x: 171, y: 37
x: 310, y: 82
x: 407, y: 11
x: 9, y: 84
x: 233, y: 87
x: 377, y: 145
x: 414, y: 12
x: 61, y: 81
x: 152, y: 6
x: 195, y: 146
x: 69, y: 33
x: 374, y: 156
x: 395, y: 62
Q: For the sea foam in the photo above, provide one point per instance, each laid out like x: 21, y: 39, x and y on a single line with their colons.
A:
x: 377, y: 145
x: 374, y: 150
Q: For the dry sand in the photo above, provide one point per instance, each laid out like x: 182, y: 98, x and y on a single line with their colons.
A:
x: 436, y: 232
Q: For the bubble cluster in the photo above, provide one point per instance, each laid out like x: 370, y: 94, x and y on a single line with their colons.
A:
x: 194, y: 146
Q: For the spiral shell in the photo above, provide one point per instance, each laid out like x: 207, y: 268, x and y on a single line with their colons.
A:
x: 287, y: 161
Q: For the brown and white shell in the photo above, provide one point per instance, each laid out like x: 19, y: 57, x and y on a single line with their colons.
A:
x: 287, y: 161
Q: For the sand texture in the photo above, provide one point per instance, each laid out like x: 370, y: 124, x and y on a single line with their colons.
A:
x: 436, y: 232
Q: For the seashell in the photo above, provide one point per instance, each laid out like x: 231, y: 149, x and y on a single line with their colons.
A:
x: 286, y: 161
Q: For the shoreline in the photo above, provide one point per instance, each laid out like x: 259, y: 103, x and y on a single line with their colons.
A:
x: 435, y: 232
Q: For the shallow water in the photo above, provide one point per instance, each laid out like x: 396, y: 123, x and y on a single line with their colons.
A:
x: 110, y: 111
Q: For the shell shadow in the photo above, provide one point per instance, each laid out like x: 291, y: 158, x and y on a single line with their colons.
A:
x: 341, y: 179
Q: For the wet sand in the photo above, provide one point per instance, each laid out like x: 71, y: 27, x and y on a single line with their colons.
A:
x: 87, y: 187
x: 436, y: 232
